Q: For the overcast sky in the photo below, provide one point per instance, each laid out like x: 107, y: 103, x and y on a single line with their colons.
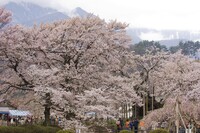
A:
x: 156, y: 14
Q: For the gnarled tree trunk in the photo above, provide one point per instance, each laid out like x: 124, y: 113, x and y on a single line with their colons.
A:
x: 47, y: 108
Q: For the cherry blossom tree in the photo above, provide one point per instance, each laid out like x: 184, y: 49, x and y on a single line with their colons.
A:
x: 179, y: 76
x: 147, y: 65
x: 5, y: 17
x: 67, y: 61
x: 189, y: 111
x: 178, y: 79
x: 109, y: 97
x: 12, y: 39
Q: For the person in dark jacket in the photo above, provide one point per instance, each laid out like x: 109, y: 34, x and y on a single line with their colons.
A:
x: 121, y: 123
x: 135, y: 124
x: 131, y: 125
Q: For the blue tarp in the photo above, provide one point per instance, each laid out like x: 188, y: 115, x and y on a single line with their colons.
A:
x: 1, y: 112
x: 4, y: 110
x: 19, y: 113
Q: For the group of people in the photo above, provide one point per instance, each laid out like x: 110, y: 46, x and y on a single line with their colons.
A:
x: 55, y: 120
x: 127, y: 125
x: 5, y: 119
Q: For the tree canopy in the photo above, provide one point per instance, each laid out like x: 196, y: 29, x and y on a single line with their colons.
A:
x: 5, y: 17
x: 189, y: 48
x: 142, y: 47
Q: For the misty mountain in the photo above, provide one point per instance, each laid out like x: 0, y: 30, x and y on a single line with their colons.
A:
x: 79, y: 12
x: 29, y: 14
x: 165, y: 37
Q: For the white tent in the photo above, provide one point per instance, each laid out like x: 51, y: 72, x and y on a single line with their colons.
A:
x: 19, y: 113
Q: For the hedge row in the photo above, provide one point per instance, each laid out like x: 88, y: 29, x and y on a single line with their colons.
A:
x: 153, y: 131
x: 160, y: 130
x: 28, y: 129
x: 65, y: 131
x: 125, y: 131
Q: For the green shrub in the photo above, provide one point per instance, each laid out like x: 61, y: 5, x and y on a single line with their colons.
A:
x: 28, y: 129
x: 98, y: 129
x: 6, y: 129
x: 112, y: 124
x: 125, y: 131
x: 40, y: 129
x: 65, y: 131
x: 160, y: 130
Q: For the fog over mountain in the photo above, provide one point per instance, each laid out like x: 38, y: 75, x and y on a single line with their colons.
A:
x: 29, y: 14
x: 165, y: 37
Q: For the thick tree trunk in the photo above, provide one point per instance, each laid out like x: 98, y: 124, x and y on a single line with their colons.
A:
x: 47, y: 108
x: 47, y: 116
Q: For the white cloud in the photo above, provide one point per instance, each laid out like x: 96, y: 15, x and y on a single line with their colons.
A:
x: 159, y: 14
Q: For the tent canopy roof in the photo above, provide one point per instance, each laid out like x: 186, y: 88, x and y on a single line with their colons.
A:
x: 19, y: 113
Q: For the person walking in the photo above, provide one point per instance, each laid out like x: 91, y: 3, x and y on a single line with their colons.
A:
x: 118, y: 125
x: 131, y: 124
x: 127, y: 124
x: 121, y: 123
x: 135, y: 124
